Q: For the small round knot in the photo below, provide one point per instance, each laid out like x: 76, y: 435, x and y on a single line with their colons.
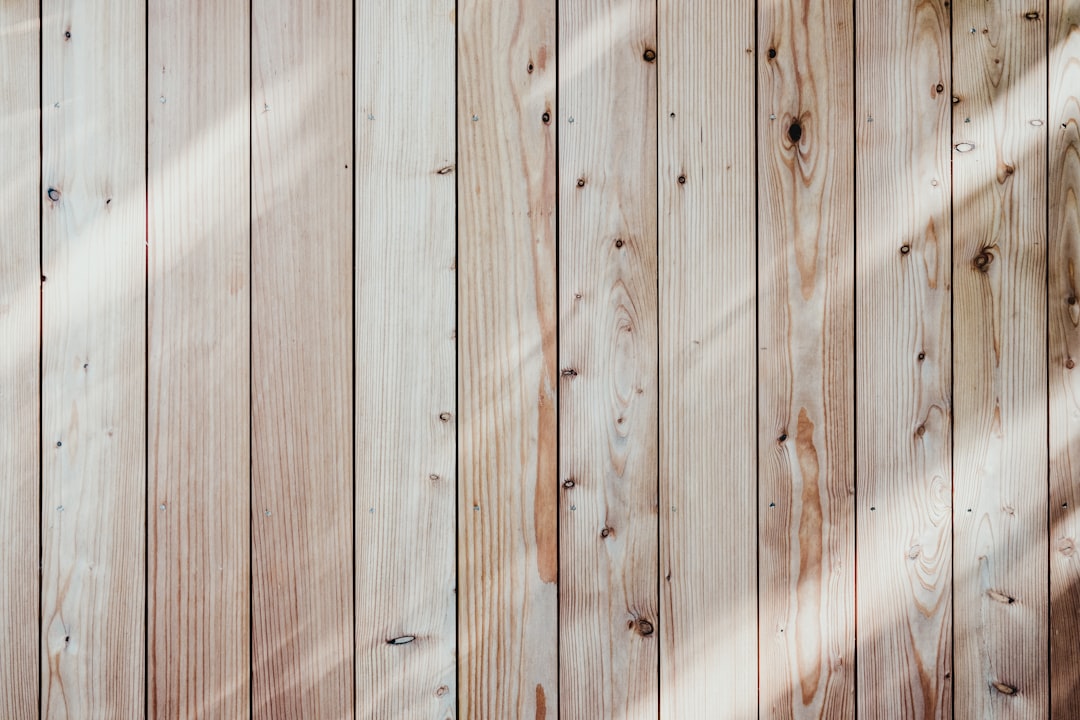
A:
x: 905, y: 249
x: 546, y: 117
x: 682, y: 179
x: 581, y: 182
x: 772, y: 53
x: 641, y: 626
x: 649, y: 55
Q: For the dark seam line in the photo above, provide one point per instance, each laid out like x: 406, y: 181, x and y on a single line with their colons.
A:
x: 146, y: 367
x: 659, y: 377
x: 757, y: 338
x: 457, y: 379
x: 352, y: 164
x: 952, y: 366
x: 1049, y: 457
x: 558, y: 392
x: 855, y: 350
x: 251, y: 374
x: 41, y: 352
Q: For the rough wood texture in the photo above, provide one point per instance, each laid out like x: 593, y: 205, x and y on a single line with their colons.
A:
x: 93, y: 359
x: 20, y: 477
x: 1064, y: 247
x: 405, y: 285
x: 1000, y: 430
x: 608, y: 604
x: 903, y: 518
x: 507, y: 544
x: 806, y: 428
x: 302, y: 359
x: 708, y: 472
x: 199, y: 399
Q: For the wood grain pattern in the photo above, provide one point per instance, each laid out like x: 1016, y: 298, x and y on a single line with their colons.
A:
x: 999, y: 274
x: 608, y: 604
x: 406, y: 283
x: 302, y: 359
x: 903, y: 368
x: 93, y: 359
x: 508, y: 458
x: 19, y: 356
x: 1063, y: 125
x: 708, y: 306
x: 806, y: 428
x: 199, y: 391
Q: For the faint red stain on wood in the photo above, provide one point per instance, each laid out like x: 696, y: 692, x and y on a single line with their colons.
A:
x: 808, y: 641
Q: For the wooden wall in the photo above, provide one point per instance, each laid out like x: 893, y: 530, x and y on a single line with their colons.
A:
x: 561, y: 358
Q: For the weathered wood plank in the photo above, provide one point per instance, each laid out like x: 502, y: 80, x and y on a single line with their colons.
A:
x: 19, y: 357
x: 405, y: 284
x: 903, y: 380
x: 999, y: 306
x: 93, y: 359
x: 608, y: 604
x: 806, y: 428
x: 707, y: 299
x: 508, y: 558
x: 302, y: 358
x: 1063, y: 125
x: 199, y: 399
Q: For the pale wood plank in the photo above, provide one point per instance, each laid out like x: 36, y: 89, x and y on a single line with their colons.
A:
x: 903, y: 469
x: 19, y: 356
x: 999, y: 306
x: 199, y: 399
x: 93, y: 359
x: 302, y: 358
x: 508, y: 559
x: 1064, y: 248
x: 406, y: 285
x: 608, y: 604
x: 708, y: 470
x: 806, y: 428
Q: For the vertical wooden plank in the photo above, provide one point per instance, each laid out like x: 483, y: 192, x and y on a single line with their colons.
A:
x: 508, y: 557
x: 999, y: 275
x: 1064, y: 248
x: 93, y: 359
x: 708, y: 306
x: 406, y: 286
x: 806, y: 428
x: 19, y: 356
x: 199, y: 399
x: 302, y: 358
x: 608, y: 605
x: 903, y: 380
